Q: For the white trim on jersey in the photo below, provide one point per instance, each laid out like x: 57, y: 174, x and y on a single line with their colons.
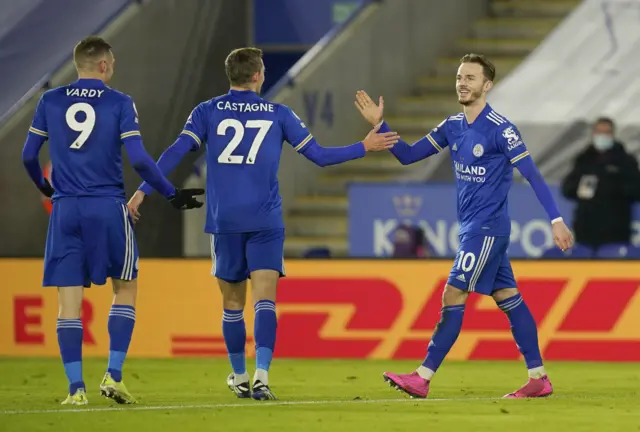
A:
x: 487, y: 244
x: 433, y: 142
x: 129, y: 250
x: 495, y: 118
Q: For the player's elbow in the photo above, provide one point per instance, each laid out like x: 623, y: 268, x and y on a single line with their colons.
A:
x: 29, y: 155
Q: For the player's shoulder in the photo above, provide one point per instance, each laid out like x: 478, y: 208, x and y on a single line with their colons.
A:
x: 119, y: 96
x: 54, y: 93
x: 451, y: 122
x: 497, y: 122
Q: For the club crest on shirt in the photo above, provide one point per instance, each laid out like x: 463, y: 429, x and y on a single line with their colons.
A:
x: 478, y: 150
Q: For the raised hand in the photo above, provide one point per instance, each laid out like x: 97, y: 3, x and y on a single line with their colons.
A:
x: 375, y: 141
x: 368, y: 108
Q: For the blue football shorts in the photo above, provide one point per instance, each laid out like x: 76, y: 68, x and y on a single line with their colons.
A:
x: 482, y: 264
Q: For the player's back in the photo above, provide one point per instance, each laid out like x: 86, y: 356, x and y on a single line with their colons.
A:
x: 244, y: 137
x: 83, y: 122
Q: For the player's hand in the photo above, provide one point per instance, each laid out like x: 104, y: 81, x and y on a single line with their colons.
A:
x: 562, y: 236
x: 184, y: 199
x: 368, y: 108
x: 375, y: 141
x: 47, y: 189
x: 134, y: 204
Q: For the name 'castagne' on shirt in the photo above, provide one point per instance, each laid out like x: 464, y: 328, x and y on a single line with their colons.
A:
x: 244, y: 106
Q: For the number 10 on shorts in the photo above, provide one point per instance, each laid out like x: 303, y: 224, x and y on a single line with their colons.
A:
x: 465, y: 260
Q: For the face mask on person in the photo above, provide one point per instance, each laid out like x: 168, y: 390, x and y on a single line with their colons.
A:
x: 602, y: 142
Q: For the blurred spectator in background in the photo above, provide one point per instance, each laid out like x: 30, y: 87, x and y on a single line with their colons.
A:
x: 410, y: 242
x: 604, y: 182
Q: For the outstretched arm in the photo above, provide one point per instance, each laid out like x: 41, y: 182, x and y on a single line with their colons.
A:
x: 410, y: 153
x: 297, y: 134
x: 146, y: 167
x: 406, y: 153
x: 170, y: 159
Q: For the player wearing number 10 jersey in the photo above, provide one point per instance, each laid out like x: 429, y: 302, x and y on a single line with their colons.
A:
x: 90, y: 237
x: 484, y: 148
x: 243, y: 135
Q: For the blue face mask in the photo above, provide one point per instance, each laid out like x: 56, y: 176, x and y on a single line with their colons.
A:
x: 602, y: 142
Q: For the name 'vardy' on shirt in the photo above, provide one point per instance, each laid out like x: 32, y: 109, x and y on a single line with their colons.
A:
x: 244, y: 107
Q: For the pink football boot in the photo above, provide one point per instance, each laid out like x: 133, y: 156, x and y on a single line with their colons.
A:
x: 540, y: 387
x: 412, y: 384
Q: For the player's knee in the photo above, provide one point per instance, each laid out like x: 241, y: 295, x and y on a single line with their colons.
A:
x: 234, y: 294
x: 125, y: 292
x: 453, y: 296
x: 70, y: 302
x: 503, y: 294
x: 264, y: 284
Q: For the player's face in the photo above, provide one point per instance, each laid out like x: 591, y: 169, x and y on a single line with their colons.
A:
x: 471, y: 84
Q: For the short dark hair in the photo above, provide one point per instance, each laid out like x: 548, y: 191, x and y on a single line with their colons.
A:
x: 488, y: 69
x: 91, y: 48
x: 242, y: 63
x: 605, y: 120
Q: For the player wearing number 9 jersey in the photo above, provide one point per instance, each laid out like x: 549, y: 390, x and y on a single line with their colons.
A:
x: 243, y: 135
x: 90, y: 237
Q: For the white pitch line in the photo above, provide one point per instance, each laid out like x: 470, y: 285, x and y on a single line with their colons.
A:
x: 263, y: 404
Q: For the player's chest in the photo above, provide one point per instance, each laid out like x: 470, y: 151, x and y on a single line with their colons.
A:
x: 471, y: 148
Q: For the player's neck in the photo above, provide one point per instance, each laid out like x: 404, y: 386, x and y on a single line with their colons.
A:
x: 237, y: 88
x: 471, y: 112
x: 89, y: 75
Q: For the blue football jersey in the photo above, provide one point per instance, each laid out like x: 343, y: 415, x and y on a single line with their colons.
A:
x: 243, y: 136
x: 86, y: 123
x: 483, y: 155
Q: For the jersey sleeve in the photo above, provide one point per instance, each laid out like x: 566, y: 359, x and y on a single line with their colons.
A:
x: 129, y: 123
x: 294, y: 130
x: 510, y: 142
x: 438, y: 136
x: 39, y: 123
x: 196, y: 127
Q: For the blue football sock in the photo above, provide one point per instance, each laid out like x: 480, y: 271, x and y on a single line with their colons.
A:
x: 265, y: 333
x: 122, y: 319
x: 70, y: 343
x: 444, y: 336
x: 235, y: 337
x: 523, y: 328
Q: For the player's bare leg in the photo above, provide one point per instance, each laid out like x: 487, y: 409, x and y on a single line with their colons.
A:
x: 525, y: 333
x: 70, y: 334
x: 234, y: 299
x: 264, y: 284
x: 122, y: 318
x: 416, y: 384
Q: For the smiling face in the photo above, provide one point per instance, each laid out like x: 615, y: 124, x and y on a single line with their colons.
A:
x: 471, y: 83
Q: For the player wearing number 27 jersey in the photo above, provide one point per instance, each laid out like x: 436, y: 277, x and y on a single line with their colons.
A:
x: 243, y: 135
x: 484, y: 147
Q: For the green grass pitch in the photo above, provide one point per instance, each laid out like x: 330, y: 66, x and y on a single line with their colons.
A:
x: 321, y: 395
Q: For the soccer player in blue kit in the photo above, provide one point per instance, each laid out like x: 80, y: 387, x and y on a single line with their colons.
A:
x: 243, y: 135
x: 90, y: 236
x: 484, y: 147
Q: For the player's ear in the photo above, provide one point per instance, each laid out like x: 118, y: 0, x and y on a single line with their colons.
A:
x: 488, y: 85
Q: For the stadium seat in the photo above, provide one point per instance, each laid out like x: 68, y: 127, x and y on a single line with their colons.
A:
x: 317, y: 253
x: 577, y: 251
x: 618, y: 250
